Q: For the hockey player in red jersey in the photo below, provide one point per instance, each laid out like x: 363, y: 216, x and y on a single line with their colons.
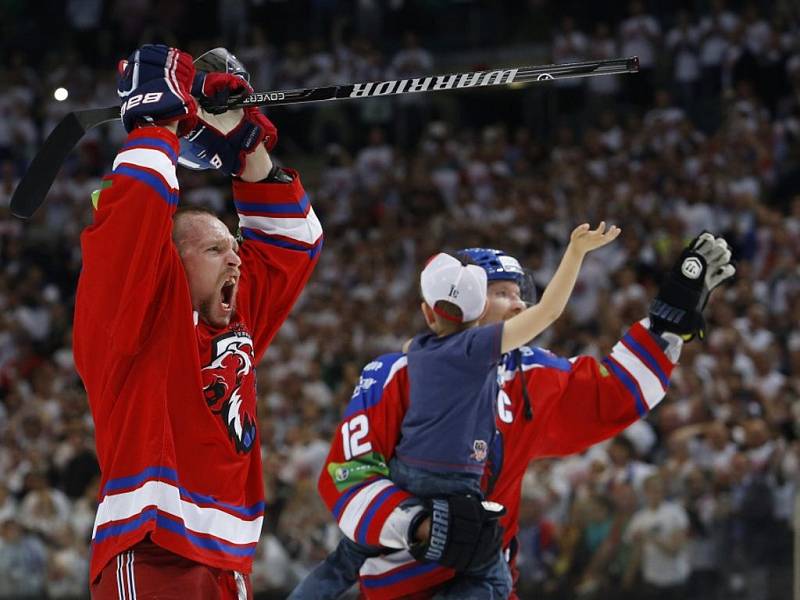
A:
x: 547, y: 406
x: 172, y: 315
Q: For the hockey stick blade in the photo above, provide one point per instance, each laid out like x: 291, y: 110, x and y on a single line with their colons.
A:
x: 32, y: 189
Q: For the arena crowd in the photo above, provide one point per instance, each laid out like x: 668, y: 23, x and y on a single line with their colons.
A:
x: 707, y: 136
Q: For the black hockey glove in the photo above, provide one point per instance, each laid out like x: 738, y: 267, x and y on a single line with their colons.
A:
x: 702, y: 266
x: 465, y: 532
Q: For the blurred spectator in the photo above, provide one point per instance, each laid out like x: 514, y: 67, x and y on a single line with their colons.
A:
x: 68, y: 566
x: 570, y: 45
x: 659, y: 534
x: 412, y: 109
x: 602, y: 46
x: 44, y: 510
x: 23, y: 560
x: 537, y: 548
x: 683, y: 41
x: 640, y: 35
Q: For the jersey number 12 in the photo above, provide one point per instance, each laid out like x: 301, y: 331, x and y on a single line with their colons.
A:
x: 353, y: 431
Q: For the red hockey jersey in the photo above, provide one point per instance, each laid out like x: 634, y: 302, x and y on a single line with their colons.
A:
x: 576, y: 403
x: 173, y: 399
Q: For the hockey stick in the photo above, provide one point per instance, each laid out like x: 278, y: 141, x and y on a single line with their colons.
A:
x: 33, y: 188
x: 436, y: 83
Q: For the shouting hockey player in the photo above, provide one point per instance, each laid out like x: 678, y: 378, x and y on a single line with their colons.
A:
x: 172, y: 315
x: 547, y: 406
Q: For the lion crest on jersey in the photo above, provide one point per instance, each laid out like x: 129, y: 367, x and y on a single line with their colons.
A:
x: 229, y: 387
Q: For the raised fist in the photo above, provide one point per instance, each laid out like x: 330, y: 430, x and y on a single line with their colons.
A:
x: 155, y: 88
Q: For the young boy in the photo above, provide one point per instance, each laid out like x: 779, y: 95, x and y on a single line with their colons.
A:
x: 452, y: 371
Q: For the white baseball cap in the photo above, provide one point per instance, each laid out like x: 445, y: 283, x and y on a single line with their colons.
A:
x: 447, y: 278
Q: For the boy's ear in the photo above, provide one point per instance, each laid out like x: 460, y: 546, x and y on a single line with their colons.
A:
x: 430, y: 316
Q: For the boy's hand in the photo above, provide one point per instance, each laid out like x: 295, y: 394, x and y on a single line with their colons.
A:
x: 583, y: 239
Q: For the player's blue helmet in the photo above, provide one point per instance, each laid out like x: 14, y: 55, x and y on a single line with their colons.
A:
x: 500, y: 266
x: 218, y: 60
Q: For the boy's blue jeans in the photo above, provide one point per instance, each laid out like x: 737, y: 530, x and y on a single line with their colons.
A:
x: 339, y: 571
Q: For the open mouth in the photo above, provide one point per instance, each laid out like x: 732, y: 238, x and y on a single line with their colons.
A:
x: 226, y: 293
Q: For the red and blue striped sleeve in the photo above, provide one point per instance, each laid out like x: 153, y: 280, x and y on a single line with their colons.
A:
x: 580, y: 402
x: 282, y: 240
x: 128, y: 250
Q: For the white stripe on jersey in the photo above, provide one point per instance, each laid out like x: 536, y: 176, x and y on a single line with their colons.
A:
x: 384, y: 563
x: 652, y: 391
x: 359, y: 504
x: 303, y: 229
x: 151, y: 159
x: 400, y: 363
x: 166, y: 497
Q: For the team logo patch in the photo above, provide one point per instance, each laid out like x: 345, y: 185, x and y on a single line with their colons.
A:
x: 229, y: 387
x: 692, y: 267
x: 341, y: 474
x: 480, y: 449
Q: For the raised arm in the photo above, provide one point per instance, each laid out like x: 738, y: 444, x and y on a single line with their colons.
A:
x: 127, y: 251
x: 522, y: 328
x: 582, y: 401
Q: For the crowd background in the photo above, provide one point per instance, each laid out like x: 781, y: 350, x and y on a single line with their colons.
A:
x: 707, y: 136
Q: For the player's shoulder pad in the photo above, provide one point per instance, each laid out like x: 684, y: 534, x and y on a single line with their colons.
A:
x: 534, y: 357
x: 375, y: 376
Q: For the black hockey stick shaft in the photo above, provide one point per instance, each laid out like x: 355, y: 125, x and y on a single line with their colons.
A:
x: 33, y: 188
x: 436, y: 83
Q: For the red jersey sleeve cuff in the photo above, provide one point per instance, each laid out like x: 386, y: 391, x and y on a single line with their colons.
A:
x: 155, y: 138
x: 271, y: 199
x: 279, y: 214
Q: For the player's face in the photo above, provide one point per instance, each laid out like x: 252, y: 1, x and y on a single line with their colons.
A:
x: 210, y: 258
x: 502, y: 302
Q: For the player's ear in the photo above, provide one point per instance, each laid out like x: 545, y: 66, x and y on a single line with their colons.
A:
x: 485, y: 310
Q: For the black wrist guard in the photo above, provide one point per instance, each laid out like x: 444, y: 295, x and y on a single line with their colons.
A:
x: 277, y: 175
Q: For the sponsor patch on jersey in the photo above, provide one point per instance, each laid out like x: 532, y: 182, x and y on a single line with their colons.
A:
x: 347, y: 474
